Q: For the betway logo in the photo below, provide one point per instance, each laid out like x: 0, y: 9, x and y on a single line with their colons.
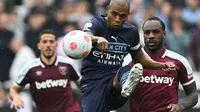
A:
x: 51, y: 83
x: 157, y: 79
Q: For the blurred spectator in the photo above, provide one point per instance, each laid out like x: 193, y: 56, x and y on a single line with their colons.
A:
x: 130, y: 19
x: 195, y: 47
x: 6, y: 55
x: 70, y: 26
x: 157, y: 4
x: 13, y: 22
x: 177, y: 3
x: 164, y: 13
x: 3, y: 101
x: 23, y: 55
x: 16, y: 24
x: 3, y: 96
x: 37, y: 3
x: 191, y: 14
x: 59, y: 21
x: 60, y: 3
x: 81, y: 14
x: 178, y: 40
x: 2, y: 6
x: 176, y: 12
x: 136, y: 12
x: 150, y: 11
x: 28, y: 17
x: 100, y: 7
x: 37, y: 21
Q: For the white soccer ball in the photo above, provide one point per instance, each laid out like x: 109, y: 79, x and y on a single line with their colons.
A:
x: 77, y: 44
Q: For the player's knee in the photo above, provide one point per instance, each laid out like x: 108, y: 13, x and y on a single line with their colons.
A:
x: 123, y: 70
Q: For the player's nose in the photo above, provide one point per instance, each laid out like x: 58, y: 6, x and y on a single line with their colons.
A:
x: 151, y: 35
x: 117, y: 19
x: 48, y: 44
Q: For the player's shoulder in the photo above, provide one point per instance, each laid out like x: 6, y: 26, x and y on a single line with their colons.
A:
x: 178, y: 58
x: 33, y: 63
x: 96, y: 20
x: 130, y: 26
x: 175, y: 55
x: 63, y: 59
x: 67, y: 61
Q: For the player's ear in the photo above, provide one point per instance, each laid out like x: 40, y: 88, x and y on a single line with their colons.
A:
x: 107, y: 10
x: 165, y: 33
x: 56, y: 43
x: 38, y: 46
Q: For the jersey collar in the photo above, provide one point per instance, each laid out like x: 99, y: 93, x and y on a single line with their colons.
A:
x: 54, y: 62
x: 161, y: 55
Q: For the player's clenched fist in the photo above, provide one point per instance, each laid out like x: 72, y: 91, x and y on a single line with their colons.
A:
x: 169, y: 66
x: 175, y: 108
x: 102, y: 44
x: 17, y: 102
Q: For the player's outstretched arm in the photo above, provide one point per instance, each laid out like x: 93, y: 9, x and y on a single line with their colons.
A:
x: 101, y: 42
x: 77, y: 82
x: 17, y: 102
x: 190, y: 100
x: 148, y: 63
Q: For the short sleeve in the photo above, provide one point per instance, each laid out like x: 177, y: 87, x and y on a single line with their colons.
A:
x: 75, y: 73
x: 22, y: 78
x: 185, y: 73
x: 92, y: 26
x: 135, y: 44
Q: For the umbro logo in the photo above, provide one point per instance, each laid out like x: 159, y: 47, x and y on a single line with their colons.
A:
x: 38, y: 73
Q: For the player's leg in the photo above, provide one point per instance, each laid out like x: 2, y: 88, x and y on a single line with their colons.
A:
x: 123, y: 85
x: 127, y: 78
x: 115, y: 100
x: 93, y: 97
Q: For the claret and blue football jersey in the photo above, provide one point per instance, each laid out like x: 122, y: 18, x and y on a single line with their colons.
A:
x: 157, y: 88
x: 49, y: 84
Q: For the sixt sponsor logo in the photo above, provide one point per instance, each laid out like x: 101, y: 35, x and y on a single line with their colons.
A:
x: 157, y: 79
x: 51, y: 83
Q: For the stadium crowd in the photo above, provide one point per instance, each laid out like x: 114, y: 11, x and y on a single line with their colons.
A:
x: 21, y: 21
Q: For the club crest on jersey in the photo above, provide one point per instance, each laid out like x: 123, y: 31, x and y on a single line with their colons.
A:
x: 87, y: 26
x: 63, y: 70
x: 38, y: 73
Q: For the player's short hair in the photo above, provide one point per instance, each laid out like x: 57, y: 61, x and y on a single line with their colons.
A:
x: 156, y: 19
x: 127, y: 2
x: 46, y: 31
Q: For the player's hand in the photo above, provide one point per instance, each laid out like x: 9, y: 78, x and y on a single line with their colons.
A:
x: 175, y: 108
x: 169, y: 66
x: 17, y: 103
x: 102, y: 44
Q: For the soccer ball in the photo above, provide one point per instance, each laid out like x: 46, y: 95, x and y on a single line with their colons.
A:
x: 77, y: 44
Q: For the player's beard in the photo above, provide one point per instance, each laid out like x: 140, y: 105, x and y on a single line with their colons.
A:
x: 158, y: 45
x: 48, y: 56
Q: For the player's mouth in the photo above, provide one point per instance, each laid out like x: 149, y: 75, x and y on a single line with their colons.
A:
x: 116, y: 25
x: 152, y: 43
x: 48, y: 51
